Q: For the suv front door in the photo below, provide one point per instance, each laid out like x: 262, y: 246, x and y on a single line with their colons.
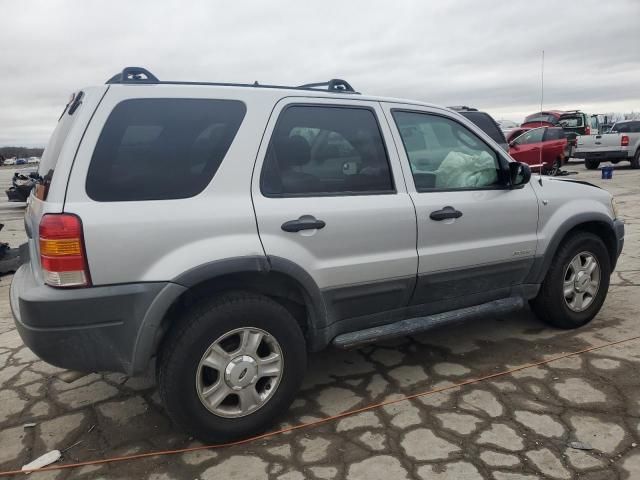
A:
x: 476, y: 236
x: 330, y: 198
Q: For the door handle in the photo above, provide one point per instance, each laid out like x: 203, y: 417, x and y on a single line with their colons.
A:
x: 445, y: 213
x: 305, y: 222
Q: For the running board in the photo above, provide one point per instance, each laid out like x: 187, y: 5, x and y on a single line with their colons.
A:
x: 412, y: 326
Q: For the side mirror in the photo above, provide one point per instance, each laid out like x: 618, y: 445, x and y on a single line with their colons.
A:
x: 519, y: 174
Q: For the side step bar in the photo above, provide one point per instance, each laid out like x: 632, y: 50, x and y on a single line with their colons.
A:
x: 412, y: 326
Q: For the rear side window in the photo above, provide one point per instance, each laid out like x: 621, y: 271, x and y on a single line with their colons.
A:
x: 486, y: 124
x: 159, y: 149
x: 622, y: 127
x: 554, y: 134
x: 317, y: 150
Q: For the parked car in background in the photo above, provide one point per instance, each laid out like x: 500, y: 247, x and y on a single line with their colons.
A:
x: 542, y: 148
x: 9, y: 161
x: 485, y: 122
x: 344, y: 219
x: 573, y: 122
x: 547, y: 118
x: 21, y: 161
x: 621, y: 143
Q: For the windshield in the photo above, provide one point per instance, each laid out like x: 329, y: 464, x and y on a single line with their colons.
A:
x: 572, y: 122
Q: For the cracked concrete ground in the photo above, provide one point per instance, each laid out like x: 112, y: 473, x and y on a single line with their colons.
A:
x: 514, y: 427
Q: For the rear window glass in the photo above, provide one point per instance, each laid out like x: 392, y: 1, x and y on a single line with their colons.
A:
x: 54, y: 147
x: 158, y: 149
x: 572, y: 122
x: 487, y: 124
x: 540, y: 117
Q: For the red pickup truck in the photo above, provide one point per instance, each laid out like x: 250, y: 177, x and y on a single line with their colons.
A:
x: 541, y: 148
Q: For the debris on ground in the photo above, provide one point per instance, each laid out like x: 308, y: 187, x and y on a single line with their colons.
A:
x: 29, y: 425
x: 580, y: 446
x: 43, y: 460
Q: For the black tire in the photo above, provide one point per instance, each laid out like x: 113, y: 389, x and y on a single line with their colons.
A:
x: 635, y: 161
x: 591, y: 164
x: 201, y: 326
x: 550, y: 305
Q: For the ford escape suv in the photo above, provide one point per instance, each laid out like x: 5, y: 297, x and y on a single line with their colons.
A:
x: 224, y: 231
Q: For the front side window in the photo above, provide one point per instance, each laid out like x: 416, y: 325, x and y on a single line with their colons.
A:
x: 161, y: 148
x: 594, y: 122
x: 445, y: 154
x: 532, y: 136
x: 318, y: 150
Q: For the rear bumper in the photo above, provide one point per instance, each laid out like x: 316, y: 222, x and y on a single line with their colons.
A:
x: 603, y: 156
x: 110, y: 328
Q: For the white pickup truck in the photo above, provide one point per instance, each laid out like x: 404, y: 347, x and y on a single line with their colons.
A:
x: 622, y: 142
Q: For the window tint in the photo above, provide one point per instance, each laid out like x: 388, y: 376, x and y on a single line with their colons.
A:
x: 541, y: 117
x: 623, y: 127
x: 153, y: 149
x: 572, y: 122
x: 594, y: 122
x: 635, y: 127
x: 318, y: 150
x: 554, y: 134
x: 444, y: 154
x: 487, y: 124
x: 532, y: 136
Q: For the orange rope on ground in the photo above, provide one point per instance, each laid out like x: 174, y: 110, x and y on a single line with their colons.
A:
x: 316, y: 422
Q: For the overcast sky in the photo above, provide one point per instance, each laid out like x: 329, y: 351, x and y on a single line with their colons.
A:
x: 481, y: 53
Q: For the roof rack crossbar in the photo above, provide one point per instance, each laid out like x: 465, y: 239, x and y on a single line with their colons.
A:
x: 134, y: 75
x: 333, y: 85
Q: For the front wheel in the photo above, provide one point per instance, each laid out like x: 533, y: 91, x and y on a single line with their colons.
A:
x: 591, y: 164
x: 576, y: 284
x: 233, y: 368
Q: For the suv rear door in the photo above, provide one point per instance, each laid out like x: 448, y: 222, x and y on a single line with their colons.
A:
x: 476, y: 237
x: 55, y: 165
x: 330, y: 198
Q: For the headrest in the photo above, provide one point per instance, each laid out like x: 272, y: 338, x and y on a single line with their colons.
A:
x: 292, y: 151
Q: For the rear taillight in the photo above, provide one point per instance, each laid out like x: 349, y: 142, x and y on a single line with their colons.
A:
x: 624, y: 141
x: 62, y: 254
x: 587, y: 130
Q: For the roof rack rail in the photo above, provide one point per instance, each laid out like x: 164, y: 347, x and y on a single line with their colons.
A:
x: 333, y: 85
x: 134, y: 75
x: 139, y: 75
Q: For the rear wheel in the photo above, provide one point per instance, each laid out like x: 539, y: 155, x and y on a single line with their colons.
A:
x: 576, y: 284
x: 635, y: 161
x: 591, y: 164
x: 233, y: 368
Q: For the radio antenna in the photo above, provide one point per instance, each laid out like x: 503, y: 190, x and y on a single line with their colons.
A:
x: 541, y: 110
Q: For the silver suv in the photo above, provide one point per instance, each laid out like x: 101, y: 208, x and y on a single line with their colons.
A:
x: 227, y: 230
